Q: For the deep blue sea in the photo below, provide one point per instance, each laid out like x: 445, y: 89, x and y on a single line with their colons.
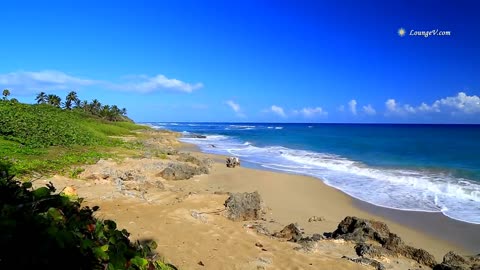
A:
x: 433, y: 168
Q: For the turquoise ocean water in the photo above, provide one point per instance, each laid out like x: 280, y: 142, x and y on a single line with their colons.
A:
x: 433, y: 168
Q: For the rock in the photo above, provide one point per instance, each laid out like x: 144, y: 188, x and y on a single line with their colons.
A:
x: 309, y: 244
x: 187, y: 157
x: 168, y: 174
x: 364, y: 250
x: 259, y: 228
x: 291, y: 233
x: 181, y: 171
x: 362, y: 230
x: 315, y: 218
x: 419, y: 255
x: 244, y: 206
x: 366, y: 261
x: 359, y: 230
x: 194, y: 136
x: 454, y: 261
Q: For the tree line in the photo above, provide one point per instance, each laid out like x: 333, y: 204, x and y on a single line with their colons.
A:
x: 110, y: 113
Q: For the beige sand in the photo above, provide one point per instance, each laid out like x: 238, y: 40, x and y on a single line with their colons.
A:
x: 185, y: 218
x: 218, y: 243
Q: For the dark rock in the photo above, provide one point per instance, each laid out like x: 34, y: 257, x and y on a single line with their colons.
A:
x: 417, y: 254
x: 181, y: 171
x: 364, y: 250
x: 244, y: 206
x: 453, y: 258
x: 359, y: 230
x: 195, y: 136
x: 362, y: 230
x: 365, y: 261
x: 453, y: 261
x: 317, y: 237
x: 309, y: 244
x: 291, y: 233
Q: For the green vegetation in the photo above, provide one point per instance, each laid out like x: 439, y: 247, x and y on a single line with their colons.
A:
x: 44, y: 138
x: 42, y: 229
x: 95, y: 108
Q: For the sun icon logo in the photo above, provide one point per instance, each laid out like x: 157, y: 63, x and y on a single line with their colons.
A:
x: 401, y: 32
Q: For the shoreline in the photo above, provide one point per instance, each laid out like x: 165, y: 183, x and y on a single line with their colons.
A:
x: 186, y: 217
x: 461, y: 236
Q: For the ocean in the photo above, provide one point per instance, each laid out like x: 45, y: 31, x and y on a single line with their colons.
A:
x: 431, y: 168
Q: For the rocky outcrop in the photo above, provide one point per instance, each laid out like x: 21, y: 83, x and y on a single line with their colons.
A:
x: 181, y: 171
x: 454, y: 261
x: 244, y: 206
x: 365, y: 261
x: 291, y: 233
x: 187, y: 157
x: 361, y: 230
x: 195, y: 136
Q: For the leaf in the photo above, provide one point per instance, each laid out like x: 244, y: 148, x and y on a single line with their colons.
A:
x: 27, y: 184
x: 41, y: 192
x: 56, y: 214
x: 100, y: 253
x: 139, y: 262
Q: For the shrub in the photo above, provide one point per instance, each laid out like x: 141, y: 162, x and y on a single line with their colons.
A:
x: 42, y: 229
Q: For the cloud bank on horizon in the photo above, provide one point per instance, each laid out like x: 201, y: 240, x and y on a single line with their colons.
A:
x: 28, y: 82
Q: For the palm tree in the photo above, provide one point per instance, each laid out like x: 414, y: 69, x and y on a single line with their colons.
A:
x: 123, y: 111
x: 95, y: 106
x: 6, y: 93
x: 54, y: 100
x: 71, y: 98
x: 41, y: 98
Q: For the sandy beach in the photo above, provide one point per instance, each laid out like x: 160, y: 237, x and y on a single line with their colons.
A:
x: 185, y: 217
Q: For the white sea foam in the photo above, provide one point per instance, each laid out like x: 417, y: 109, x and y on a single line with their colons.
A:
x: 413, y: 190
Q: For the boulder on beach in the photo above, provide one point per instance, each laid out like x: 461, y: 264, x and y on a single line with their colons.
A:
x: 291, y: 233
x: 181, y: 171
x: 454, y: 261
x: 361, y: 230
x: 244, y: 206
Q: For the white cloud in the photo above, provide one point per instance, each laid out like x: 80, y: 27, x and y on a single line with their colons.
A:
x: 24, y: 82
x: 461, y: 104
x: 235, y: 107
x: 341, y: 108
x: 27, y: 82
x: 353, y: 106
x: 146, y: 84
x: 369, y: 110
x: 310, y: 112
x: 391, y: 105
x: 278, y: 110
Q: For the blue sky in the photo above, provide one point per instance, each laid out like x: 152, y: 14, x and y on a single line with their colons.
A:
x: 249, y: 61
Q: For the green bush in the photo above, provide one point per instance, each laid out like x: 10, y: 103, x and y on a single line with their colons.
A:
x: 42, y: 229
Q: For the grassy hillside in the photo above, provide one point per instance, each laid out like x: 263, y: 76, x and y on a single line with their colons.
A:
x: 44, y: 138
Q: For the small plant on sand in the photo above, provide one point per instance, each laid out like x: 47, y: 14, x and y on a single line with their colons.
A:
x: 43, y: 229
x: 75, y: 172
